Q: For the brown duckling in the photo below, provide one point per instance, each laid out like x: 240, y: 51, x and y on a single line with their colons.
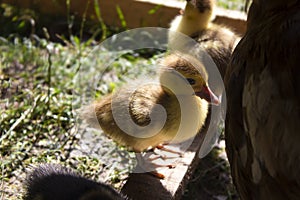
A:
x: 146, y: 115
x: 195, y: 22
x: 52, y: 181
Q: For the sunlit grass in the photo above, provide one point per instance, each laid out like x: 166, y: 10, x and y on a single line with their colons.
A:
x: 232, y: 4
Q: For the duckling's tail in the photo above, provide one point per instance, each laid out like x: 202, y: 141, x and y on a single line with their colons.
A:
x: 96, y: 112
x: 88, y: 115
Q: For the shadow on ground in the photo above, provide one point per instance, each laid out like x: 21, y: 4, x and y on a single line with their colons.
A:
x: 211, y: 179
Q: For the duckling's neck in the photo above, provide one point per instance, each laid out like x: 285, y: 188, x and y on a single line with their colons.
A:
x: 192, y: 20
x: 186, y: 115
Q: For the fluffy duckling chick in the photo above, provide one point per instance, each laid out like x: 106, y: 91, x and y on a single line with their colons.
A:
x: 148, y: 115
x: 51, y: 181
x: 195, y: 22
x: 195, y: 17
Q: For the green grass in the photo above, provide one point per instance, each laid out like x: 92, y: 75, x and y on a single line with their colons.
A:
x: 232, y: 4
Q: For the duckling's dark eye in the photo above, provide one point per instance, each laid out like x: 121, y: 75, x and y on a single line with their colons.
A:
x: 191, y: 81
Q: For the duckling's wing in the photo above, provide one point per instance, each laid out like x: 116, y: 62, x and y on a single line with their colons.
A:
x: 143, y: 102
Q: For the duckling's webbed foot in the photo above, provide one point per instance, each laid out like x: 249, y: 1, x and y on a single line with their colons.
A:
x: 170, y: 149
x: 155, y: 163
x: 152, y: 160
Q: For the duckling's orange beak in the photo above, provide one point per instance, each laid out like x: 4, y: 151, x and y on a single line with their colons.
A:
x: 208, y: 95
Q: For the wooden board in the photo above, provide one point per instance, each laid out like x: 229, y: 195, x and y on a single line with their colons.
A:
x: 147, y: 187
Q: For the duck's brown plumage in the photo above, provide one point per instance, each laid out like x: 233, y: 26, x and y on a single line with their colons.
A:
x: 263, y: 116
x: 141, y: 104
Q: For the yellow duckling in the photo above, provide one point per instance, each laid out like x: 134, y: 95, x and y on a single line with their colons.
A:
x: 195, y: 22
x: 195, y: 17
x: 146, y: 115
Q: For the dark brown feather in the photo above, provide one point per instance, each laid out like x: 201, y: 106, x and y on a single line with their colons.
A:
x: 52, y: 181
x: 263, y: 116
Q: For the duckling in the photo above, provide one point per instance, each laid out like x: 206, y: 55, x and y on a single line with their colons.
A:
x: 52, y: 181
x: 195, y: 22
x: 214, y: 45
x: 195, y: 17
x: 143, y: 116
